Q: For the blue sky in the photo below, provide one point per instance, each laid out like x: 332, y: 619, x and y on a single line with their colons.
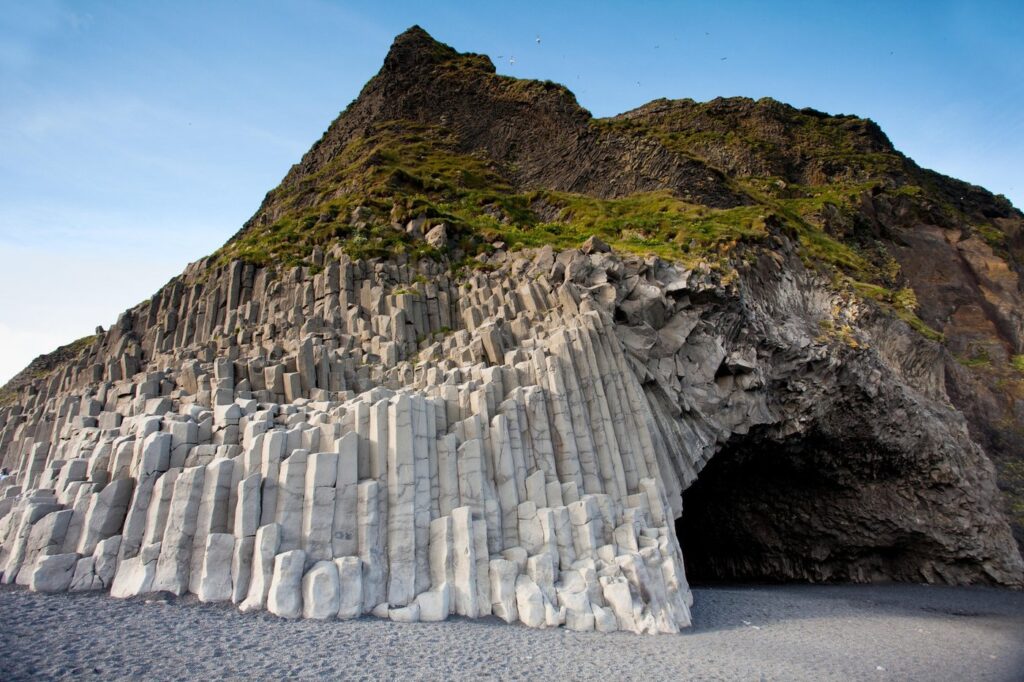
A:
x: 138, y: 136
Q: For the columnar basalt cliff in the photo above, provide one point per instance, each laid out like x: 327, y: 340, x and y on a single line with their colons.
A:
x: 480, y: 354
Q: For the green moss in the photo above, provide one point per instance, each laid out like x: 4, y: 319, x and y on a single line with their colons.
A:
x: 776, y: 138
x: 902, y: 303
x: 401, y: 163
x: 979, y: 359
x: 1017, y: 362
x: 647, y: 223
x: 993, y: 236
x: 403, y: 170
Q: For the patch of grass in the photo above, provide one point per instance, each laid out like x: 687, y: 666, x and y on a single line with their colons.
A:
x: 902, y: 303
x: 993, y: 236
x: 405, y: 170
x: 766, y: 136
x: 361, y: 198
x: 647, y: 223
x: 979, y: 359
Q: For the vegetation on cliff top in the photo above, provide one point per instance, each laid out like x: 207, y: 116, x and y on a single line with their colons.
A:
x: 796, y: 172
x: 364, y: 197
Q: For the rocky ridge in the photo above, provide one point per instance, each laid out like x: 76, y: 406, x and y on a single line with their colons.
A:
x: 411, y: 437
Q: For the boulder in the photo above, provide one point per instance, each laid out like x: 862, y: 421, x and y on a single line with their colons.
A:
x: 53, y: 573
x: 285, y: 596
x: 321, y: 591
x: 215, y: 571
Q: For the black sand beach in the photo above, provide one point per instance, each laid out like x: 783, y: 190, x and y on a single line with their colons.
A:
x: 803, y: 632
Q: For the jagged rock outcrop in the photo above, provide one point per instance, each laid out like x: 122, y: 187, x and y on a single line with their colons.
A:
x: 413, y: 439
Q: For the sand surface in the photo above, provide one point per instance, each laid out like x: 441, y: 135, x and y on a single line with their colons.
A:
x: 749, y: 633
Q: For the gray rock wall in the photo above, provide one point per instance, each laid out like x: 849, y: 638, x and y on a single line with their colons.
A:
x: 391, y: 439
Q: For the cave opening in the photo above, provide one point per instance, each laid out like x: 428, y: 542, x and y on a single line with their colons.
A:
x: 808, y: 509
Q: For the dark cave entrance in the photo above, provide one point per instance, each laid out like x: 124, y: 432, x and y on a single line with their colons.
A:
x: 808, y: 509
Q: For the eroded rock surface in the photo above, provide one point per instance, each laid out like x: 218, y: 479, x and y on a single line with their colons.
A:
x: 530, y: 463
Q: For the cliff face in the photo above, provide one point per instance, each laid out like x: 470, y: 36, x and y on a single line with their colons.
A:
x: 778, y: 345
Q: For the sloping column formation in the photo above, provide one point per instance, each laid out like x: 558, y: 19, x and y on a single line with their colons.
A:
x: 503, y: 489
x: 519, y: 468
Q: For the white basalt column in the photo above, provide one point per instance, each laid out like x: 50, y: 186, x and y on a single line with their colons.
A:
x: 483, y: 579
x: 351, y: 578
x: 174, y: 565
x: 423, y: 435
x: 541, y: 569
x: 567, y: 458
x: 361, y: 424
x: 442, y: 569
x: 564, y: 537
x: 285, y: 596
x: 241, y: 567
x: 212, y: 515
x: 246, y: 523
x: 585, y: 516
x: 549, y: 533
x: 291, y: 487
x: 74, y: 532
x: 345, y: 540
x: 105, y: 516
x: 471, y: 476
x: 155, y: 459
x: 401, y: 503
x: 531, y: 534
x: 274, y: 443
x: 530, y: 602
x: 247, y: 506
x: 590, y: 396
x: 321, y: 591
x: 214, y: 582
x: 318, y: 506
x: 430, y: 436
x: 611, y: 460
x: 536, y: 489
x: 268, y: 539
x: 540, y: 432
x: 582, y: 429
x: 510, y: 410
x: 378, y: 445
x: 136, y: 576
x: 371, y: 545
x: 448, y: 474
x: 503, y: 589
x: 505, y: 480
x: 160, y: 507
x: 638, y: 412
x: 464, y: 588
x: 619, y: 411
x: 553, y: 493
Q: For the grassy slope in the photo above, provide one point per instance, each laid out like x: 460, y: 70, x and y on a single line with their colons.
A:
x: 404, y: 170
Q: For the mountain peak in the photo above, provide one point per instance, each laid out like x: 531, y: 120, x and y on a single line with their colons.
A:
x: 414, y: 49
